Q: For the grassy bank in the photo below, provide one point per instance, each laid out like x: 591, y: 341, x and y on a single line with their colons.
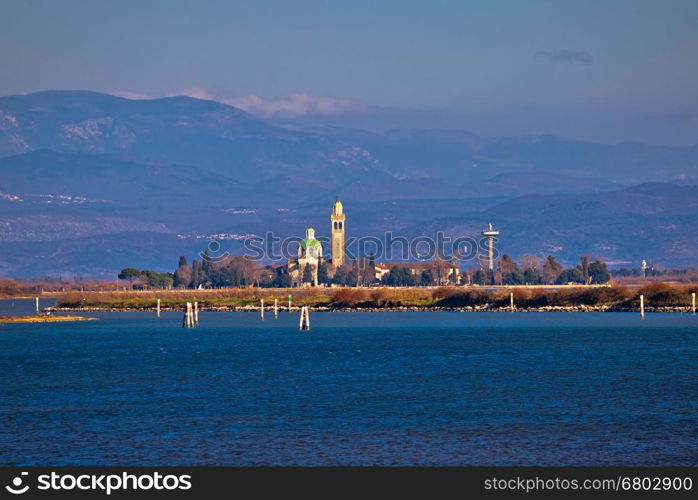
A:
x: 656, y: 295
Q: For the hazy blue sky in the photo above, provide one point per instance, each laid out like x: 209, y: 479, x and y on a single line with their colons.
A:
x: 606, y: 70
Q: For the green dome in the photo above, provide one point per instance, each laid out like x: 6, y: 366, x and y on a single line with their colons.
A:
x: 309, y: 243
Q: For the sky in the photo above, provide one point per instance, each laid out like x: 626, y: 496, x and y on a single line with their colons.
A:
x: 610, y: 70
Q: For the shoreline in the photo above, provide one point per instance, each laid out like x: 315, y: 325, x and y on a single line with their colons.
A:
x: 581, y: 308
x: 44, y: 318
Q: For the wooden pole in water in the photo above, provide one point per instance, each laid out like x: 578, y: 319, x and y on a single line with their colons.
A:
x: 642, y: 306
x: 305, y: 319
x: 187, y: 316
x: 37, y: 303
x: 196, y: 313
x: 158, y: 308
x: 511, y: 300
x: 276, y: 308
x: 693, y: 302
x: 261, y: 309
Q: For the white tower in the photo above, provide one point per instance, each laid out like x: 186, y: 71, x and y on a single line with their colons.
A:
x: 490, y: 234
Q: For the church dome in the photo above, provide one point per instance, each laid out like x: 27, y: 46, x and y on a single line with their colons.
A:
x: 310, y: 242
x: 307, y: 243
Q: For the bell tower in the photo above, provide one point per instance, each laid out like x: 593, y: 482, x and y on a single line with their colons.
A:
x: 337, y: 218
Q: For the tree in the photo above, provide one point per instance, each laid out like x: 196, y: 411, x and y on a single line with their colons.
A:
x: 584, y: 263
x: 598, y: 272
x: 572, y: 275
x: 282, y: 279
x: 529, y: 266
x: 307, y: 274
x: 440, y: 270
x: 234, y: 271
x: 551, y: 270
x: 198, y: 277
x: 183, y: 274
x: 509, y: 271
x: 323, y: 274
x: 340, y: 275
x: 155, y: 279
x: 208, y: 267
x: 427, y: 278
x: 483, y: 277
x: 400, y: 276
x: 364, y: 270
x: 129, y: 274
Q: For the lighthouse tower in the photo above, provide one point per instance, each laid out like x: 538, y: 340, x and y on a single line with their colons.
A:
x: 490, y: 233
x: 337, y: 218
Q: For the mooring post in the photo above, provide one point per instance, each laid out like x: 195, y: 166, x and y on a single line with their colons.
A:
x: 305, y: 319
x: 196, y: 313
x: 158, y: 308
x: 693, y: 302
x: 37, y: 303
x: 261, y: 309
x: 642, y: 306
x: 185, y: 323
x: 276, y: 308
x: 511, y: 300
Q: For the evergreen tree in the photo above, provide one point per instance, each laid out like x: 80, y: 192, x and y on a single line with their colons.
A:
x: 340, y: 276
x: 130, y: 274
x: 584, y: 263
x: 572, y: 275
x: 282, y: 279
x: 598, y: 272
x: 307, y: 274
x: 197, y: 274
x: 371, y: 269
x: 427, y: 278
x: 484, y: 277
x: 155, y: 279
x: 208, y: 268
x: 323, y: 275
x: 400, y: 276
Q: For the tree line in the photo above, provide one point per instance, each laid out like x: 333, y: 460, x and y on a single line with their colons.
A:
x: 530, y: 271
x: 238, y: 271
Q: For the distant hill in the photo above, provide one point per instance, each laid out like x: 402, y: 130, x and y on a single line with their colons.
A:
x: 653, y: 221
x: 79, y: 169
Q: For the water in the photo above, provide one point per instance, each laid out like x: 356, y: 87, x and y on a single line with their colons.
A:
x: 358, y: 389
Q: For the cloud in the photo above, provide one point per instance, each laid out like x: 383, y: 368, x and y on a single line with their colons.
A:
x: 569, y: 56
x: 290, y: 106
x: 293, y: 105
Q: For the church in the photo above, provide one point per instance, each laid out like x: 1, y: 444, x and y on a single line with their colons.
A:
x: 304, y: 269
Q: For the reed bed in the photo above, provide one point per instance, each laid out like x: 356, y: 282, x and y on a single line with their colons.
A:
x: 618, y: 297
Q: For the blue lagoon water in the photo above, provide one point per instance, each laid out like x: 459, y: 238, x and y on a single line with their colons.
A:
x: 392, y: 388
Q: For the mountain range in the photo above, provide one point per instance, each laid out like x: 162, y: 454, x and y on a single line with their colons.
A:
x: 152, y: 179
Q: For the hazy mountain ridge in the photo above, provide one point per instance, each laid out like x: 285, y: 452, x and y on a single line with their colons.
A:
x: 653, y: 221
x: 83, y: 166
